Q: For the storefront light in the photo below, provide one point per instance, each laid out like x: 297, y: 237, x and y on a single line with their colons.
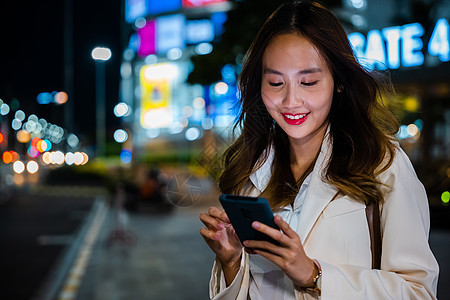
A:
x: 157, y: 118
x: 161, y: 71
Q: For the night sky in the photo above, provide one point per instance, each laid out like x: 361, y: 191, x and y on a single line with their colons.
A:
x: 32, y: 58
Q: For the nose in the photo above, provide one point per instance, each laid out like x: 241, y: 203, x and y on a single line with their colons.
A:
x: 293, y: 96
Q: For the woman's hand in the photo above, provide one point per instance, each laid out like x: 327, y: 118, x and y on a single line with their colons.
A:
x: 289, y: 255
x: 220, y: 236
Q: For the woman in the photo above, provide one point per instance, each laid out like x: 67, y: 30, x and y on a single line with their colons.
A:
x: 318, y: 144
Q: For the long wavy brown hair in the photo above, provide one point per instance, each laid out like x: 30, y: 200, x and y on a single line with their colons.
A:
x: 362, y: 129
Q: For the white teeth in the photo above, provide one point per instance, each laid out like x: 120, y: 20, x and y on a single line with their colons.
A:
x: 295, y: 117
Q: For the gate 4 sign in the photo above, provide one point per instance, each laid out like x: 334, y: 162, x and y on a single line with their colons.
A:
x: 397, y: 46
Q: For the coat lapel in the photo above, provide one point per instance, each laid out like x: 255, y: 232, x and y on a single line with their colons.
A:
x: 319, y: 193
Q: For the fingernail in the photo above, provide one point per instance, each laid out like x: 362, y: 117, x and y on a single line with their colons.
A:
x: 245, y: 243
x: 256, y: 224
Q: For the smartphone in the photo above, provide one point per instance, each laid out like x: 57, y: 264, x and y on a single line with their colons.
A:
x: 243, y: 210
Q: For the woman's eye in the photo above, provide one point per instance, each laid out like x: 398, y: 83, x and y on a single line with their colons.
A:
x: 309, y: 83
x: 275, y: 83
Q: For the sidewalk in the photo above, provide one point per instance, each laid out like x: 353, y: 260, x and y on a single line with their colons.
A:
x: 151, y: 256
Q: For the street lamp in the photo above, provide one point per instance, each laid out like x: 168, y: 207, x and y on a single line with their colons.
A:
x: 100, y: 55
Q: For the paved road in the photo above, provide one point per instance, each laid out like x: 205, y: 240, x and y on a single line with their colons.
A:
x: 34, y: 232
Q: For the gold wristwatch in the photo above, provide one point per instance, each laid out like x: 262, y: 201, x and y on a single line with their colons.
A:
x: 317, y: 279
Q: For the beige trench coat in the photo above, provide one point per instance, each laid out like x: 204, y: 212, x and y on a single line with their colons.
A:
x: 336, y: 234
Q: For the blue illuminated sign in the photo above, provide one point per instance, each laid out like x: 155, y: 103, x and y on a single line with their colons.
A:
x: 170, y: 33
x: 158, y: 6
x: 198, y: 31
x: 135, y: 9
x: 397, y: 46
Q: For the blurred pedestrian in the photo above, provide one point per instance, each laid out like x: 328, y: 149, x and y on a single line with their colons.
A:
x: 318, y: 143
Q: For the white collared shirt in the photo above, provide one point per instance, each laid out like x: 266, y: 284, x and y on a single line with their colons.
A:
x: 267, y: 281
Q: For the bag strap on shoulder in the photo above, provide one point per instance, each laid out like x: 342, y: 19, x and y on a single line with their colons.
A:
x: 373, y: 220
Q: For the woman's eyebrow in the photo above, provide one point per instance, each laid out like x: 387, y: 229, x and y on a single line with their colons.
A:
x: 305, y: 71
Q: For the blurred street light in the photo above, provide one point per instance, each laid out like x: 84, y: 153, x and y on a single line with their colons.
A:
x: 100, y: 55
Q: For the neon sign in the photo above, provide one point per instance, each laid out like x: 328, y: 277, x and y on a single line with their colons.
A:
x: 400, y: 46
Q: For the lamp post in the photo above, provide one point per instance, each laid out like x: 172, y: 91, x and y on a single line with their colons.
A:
x: 100, y: 55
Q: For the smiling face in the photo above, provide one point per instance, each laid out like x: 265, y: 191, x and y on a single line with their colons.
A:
x: 297, y: 87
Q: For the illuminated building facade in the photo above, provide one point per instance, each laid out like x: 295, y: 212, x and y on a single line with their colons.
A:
x: 164, y: 109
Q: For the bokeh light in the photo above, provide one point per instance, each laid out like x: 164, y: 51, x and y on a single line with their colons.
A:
x: 121, y: 109
x: 32, y: 167
x: 18, y: 179
x: 411, y: 104
x: 412, y: 129
x: 174, y: 54
x: 199, y: 103
x: 46, y: 158
x: 20, y: 115
x: 203, y: 48
x: 61, y: 97
x: 7, y: 157
x: 192, y: 134
x: 120, y: 135
x: 445, y: 197
x: 16, y: 124
x: 33, y: 152
x: 207, y: 124
x: 78, y: 158
x: 58, y: 157
x: 73, y: 140
x: 152, y: 133
x: 126, y: 156
x: 221, y: 88
x: 69, y: 158
x: 101, y: 53
x: 43, y: 145
x: 85, y: 158
x: 4, y: 109
x: 18, y: 167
